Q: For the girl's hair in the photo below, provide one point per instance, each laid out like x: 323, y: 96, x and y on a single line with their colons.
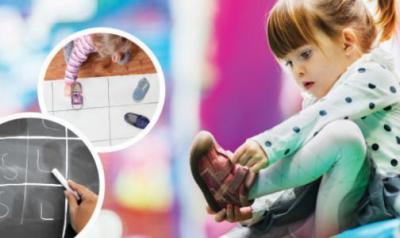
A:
x: 107, y: 44
x: 292, y: 23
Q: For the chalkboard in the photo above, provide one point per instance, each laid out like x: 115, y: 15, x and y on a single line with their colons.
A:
x: 32, y: 201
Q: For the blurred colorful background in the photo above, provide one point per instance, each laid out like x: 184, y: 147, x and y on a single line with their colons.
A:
x: 220, y: 76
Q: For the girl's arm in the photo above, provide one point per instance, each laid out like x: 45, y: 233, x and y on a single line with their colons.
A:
x: 367, y: 89
x: 79, y: 54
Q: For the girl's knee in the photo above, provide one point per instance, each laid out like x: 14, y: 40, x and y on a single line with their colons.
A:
x: 347, y: 135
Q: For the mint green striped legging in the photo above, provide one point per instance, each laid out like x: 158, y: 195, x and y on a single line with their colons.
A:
x: 338, y: 155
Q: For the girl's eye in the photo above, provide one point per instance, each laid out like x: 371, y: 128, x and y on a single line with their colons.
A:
x: 289, y: 63
x: 306, y: 54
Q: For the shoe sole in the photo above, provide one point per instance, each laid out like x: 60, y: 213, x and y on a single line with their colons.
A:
x: 202, y: 144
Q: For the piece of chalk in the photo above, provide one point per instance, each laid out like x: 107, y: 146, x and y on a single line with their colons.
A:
x: 64, y: 183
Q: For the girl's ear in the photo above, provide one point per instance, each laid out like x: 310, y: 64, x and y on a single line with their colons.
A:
x: 349, y: 41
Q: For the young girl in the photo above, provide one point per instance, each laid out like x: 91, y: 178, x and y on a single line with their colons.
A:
x: 347, y: 134
x: 106, y: 45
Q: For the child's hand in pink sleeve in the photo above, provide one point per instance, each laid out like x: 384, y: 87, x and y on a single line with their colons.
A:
x: 67, y: 90
x: 232, y: 214
x: 251, y: 154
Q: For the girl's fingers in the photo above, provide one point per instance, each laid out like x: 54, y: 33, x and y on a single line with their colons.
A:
x: 220, y: 216
x: 237, y: 213
x: 238, y: 153
x: 229, y: 213
x: 257, y: 167
x: 246, y: 156
x: 80, y: 189
x: 73, y: 204
x: 251, y: 162
x: 245, y: 213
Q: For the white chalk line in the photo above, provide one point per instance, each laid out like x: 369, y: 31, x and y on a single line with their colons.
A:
x: 41, y: 214
x: 3, y: 160
x: 31, y: 184
x: 38, y: 164
x: 26, y: 180
x: 48, y: 127
x: 66, y: 176
x: 38, y: 138
x: 7, y: 208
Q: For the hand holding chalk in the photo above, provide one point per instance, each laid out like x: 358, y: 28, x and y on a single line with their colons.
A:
x: 64, y: 182
x: 80, y: 213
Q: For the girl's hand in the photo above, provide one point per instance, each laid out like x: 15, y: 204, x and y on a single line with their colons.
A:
x: 232, y: 214
x: 67, y: 90
x: 116, y: 57
x: 251, y: 154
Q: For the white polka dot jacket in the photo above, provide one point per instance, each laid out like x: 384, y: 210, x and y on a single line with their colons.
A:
x: 368, y: 93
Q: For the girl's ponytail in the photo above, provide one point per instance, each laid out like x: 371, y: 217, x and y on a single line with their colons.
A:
x: 388, y: 17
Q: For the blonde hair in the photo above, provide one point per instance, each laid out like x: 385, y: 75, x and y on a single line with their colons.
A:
x: 292, y: 23
x: 107, y: 44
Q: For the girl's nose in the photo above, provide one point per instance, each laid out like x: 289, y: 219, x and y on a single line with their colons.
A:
x: 299, y: 71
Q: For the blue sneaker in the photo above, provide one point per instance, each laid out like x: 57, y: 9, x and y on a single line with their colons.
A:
x: 141, y: 90
x: 136, y: 120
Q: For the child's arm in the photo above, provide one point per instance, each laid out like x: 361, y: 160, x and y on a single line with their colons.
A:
x: 80, y: 212
x: 79, y: 54
x: 368, y: 89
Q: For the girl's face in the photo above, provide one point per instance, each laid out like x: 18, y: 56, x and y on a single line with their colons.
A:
x: 316, y: 69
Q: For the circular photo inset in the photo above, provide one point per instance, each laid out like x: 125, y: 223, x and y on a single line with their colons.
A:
x: 105, y: 82
x: 51, y: 180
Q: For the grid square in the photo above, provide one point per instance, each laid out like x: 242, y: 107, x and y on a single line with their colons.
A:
x: 80, y: 162
x: 38, y: 206
x: 44, y: 155
x: 12, y: 160
x: 94, y: 92
x: 120, y: 128
x: 92, y: 122
x: 122, y: 88
x: 44, y: 217
x: 11, y: 200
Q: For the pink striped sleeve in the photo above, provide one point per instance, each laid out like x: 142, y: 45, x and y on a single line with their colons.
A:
x: 83, y: 46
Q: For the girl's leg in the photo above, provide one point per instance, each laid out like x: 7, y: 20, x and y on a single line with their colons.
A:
x: 338, y: 153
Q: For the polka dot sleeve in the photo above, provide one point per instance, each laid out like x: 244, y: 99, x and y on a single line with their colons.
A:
x: 361, y: 91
